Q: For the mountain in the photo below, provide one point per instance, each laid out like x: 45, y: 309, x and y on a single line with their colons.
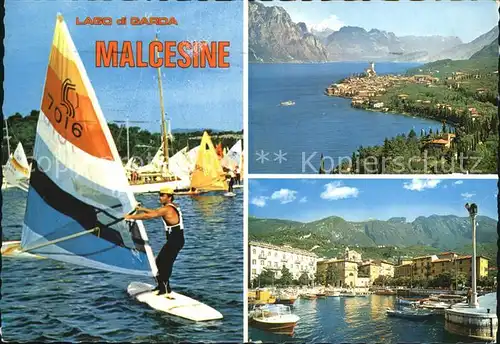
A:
x: 488, y: 51
x: 353, y: 43
x: 437, y: 231
x: 466, y: 50
x: 274, y: 37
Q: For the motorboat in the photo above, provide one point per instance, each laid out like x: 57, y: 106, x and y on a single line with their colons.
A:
x: 274, y: 318
x: 407, y: 313
x: 287, y: 103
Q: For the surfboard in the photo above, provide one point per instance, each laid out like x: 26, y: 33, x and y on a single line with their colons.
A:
x: 181, y: 306
x: 229, y: 194
x: 13, y: 249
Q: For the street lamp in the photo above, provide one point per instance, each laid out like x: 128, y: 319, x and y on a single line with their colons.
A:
x: 472, y: 209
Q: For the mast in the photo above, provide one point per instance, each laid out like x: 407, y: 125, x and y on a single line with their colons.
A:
x: 128, y: 141
x: 7, y: 136
x: 163, y: 124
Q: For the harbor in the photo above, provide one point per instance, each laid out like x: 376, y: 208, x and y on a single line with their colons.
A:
x: 359, y: 319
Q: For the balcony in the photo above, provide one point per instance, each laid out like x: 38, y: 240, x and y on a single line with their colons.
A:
x: 262, y: 256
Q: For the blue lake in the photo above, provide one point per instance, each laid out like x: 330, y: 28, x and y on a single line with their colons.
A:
x: 316, y: 124
x: 358, y: 320
x: 47, y: 300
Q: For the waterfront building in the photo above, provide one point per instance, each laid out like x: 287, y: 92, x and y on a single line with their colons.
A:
x: 266, y: 256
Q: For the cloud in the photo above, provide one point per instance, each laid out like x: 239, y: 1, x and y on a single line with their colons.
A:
x: 332, y: 22
x: 467, y: 195
x: 458, y: 182
x: 259, y: 201
x: 303, y: 200
x: 420, y: 184
x: 335, y: 191
x: 284, y: 196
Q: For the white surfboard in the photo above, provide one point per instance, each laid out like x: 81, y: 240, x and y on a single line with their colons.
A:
x: 13, y: 249
x: 229, y: 194
x: 181, y: 306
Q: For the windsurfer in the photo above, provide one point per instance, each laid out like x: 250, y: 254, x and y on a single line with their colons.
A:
x: 174, y: 228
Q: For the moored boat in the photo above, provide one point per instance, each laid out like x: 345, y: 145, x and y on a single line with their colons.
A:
x: 409, y: 313
x: 274, y: 318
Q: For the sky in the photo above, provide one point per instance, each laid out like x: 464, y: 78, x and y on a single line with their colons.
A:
x: 465, y: 19
x: 193, y: 98
x: 308, y: 200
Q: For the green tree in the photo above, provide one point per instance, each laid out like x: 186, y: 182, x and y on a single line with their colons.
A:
x: 286, y: 277
x: 304, y: 279
x: 265, y: 278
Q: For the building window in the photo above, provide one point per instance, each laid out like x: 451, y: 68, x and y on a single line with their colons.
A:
x: 268, y: 263
x: 254, y: 271
x: 254, y: 261
x: 275, y: 264
x: 254, y: 251
x: 262, y: 262
x: 269, y: 254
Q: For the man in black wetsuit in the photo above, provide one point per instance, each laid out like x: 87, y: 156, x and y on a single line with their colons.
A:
x: 174, y: 228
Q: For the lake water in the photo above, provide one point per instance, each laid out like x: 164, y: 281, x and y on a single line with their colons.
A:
x: 358, y: 320
x: 316, y: 124
x: 46, y: 300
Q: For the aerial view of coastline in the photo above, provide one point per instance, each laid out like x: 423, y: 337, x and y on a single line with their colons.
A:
x: 331, y: 261
x: 373, y: 87
x: 122, y: 172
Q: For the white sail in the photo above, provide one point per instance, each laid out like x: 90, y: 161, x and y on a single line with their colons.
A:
x: 233, y: 157
x: 17, y: 169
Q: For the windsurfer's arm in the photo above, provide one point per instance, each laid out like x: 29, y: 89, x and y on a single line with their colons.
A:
x: 145, y: 210
x: 151, y: 214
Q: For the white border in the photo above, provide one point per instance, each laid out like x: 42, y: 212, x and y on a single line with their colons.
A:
x: 247, y: 175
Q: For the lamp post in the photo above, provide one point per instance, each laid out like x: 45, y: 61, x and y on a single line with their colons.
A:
x: 472, y: 209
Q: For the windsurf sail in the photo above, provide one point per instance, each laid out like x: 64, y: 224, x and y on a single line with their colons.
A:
x: 78, y: 190
x: 17, y: 169
x: 208, y: 174
x: 233, y: 157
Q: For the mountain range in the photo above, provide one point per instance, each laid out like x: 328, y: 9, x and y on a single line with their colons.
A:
x: 274, y: 37
x: 444, y: 232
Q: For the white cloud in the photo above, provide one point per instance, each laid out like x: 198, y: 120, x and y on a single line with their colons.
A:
x: 458, y: 182
x: 259, y: 201
x: 332, y: 22
x: 467, y: 195
x: 284, y: 195
x: 335, y: 191
x: 421, y: 184
x: 303, y: 200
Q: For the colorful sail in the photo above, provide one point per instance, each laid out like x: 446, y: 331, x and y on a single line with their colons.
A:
x: 78, y: 190
x: 233, y: 157
x: 17, y: 169
x: 208, y: 174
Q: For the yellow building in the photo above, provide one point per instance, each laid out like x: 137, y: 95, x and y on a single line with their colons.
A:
x: 464, y: 265
x: 403, y: 270
x: 374, y: 269
x: 347, y: 271
x: 435, y: 265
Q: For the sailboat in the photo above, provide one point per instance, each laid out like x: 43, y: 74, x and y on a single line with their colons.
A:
x: 233, y: 159
x: 157, y: 174
x: 17, y: 169
x: 74, y: 213
x: 6, y: 185
x: 208, y: 174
